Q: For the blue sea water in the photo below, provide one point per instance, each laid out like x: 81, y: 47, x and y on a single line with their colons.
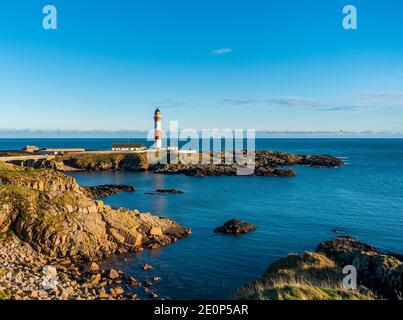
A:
x: 363, y: 199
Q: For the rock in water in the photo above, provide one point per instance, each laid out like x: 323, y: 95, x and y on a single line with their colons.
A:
x: 165, y: 191
x: 168, y: 191
x: 235, y: 226
x: 108, y: 190
x: 133, y: 282
x: 147, y: 267
x: 113, y: 274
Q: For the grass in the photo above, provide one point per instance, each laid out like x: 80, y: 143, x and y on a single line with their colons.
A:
x: 18, y: 190
x: 4, y: 296
x: 310, y: 276
x: 297, y: 290
x: 30, y: 203
x: 13, y: 153
x: 6, y: 235
x: 9, y: 171
x: 93, y: 160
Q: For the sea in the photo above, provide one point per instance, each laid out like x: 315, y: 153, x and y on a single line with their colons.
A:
x: 363, y: 199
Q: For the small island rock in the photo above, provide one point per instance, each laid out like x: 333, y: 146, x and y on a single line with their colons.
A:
x: 235, y: 226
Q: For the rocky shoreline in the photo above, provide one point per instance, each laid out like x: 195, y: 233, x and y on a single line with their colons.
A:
x: 312, y: 275
x: 28, y: 275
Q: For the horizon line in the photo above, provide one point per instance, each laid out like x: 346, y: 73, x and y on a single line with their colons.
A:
x: 140, y: 134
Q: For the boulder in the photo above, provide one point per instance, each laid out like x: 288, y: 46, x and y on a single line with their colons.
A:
x: 113, y: 274
x: 133, y: 282
x: 93, y: 267
x: 156, y: 231
x: 147, y: 267
x: 235, y: 226
x: 116, y: 292
x: 95, y: 279
x: 102, y: 293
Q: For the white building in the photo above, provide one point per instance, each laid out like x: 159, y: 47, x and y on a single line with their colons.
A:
x: 128, y: 147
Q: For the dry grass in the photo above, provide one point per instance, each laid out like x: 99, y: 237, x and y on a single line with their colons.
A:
x: 310, y: 276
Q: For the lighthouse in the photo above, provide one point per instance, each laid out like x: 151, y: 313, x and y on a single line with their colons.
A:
x: 157, y: 128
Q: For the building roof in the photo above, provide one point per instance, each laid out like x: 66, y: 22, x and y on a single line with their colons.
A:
x: 30, y: 147
x: 127, y: 145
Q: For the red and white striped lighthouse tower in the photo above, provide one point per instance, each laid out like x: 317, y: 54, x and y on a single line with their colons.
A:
x: 157, y: 128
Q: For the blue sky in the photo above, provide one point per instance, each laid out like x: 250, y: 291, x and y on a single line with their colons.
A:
x: 270, y: 65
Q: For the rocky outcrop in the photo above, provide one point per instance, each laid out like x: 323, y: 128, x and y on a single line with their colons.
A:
x: 318, y: 275
x: 308, y: 276
x: 206, y: 170
x: 382, y: 272
x: 267, y: 163
x: 235, y: 226
x: 55, y: 216
x: 276, y: 159
x: 107, y: 190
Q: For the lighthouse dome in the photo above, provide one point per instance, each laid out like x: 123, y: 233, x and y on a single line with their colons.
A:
x: 157, y: 112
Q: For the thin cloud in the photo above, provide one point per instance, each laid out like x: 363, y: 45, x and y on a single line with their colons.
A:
x: 382, y: 96
x: 239, y: 102
x: 221, y: 51
x: 290, y: 102
x: 348, y: 107
x: 170, y: 104
x: 274, y: 102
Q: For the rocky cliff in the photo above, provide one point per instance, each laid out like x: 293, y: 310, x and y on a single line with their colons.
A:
x: 55, y: 215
